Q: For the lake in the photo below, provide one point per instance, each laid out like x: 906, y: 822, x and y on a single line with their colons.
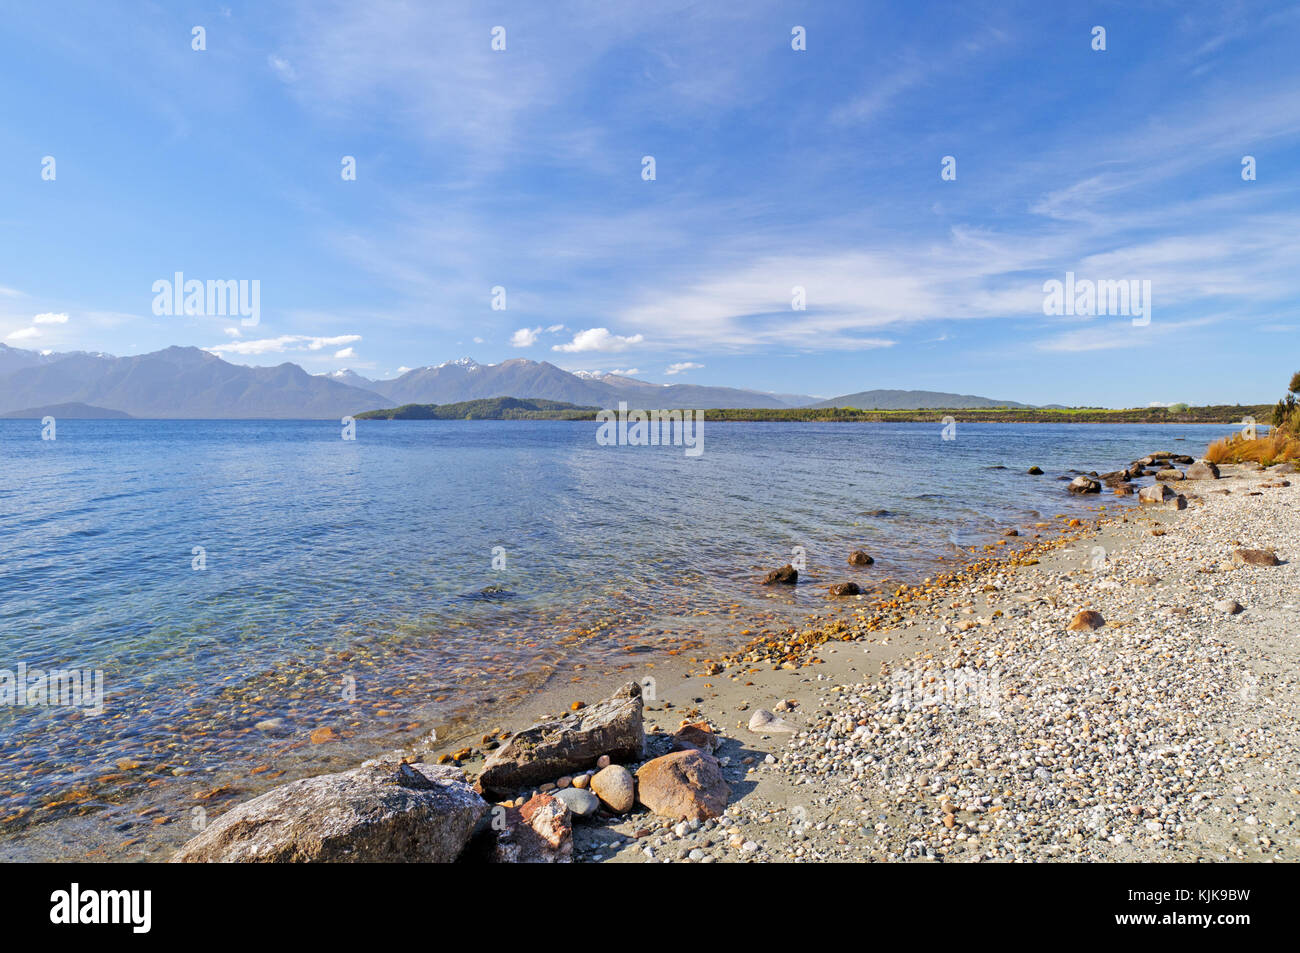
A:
x: 265, y: 599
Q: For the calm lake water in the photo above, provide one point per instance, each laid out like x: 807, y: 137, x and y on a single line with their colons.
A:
x: 425, y: 574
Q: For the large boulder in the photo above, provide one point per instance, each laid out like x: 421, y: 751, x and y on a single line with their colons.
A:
x: 378, y: 813
x: 1202, y: 470
x: 687, y: 785
x: 1083, y: 484
x: 569, y: 744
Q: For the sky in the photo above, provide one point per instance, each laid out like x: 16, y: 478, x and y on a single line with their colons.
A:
x: 920, y: 171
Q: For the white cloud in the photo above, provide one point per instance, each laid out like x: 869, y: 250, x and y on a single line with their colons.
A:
x: 234, y: 332
x: 283, y: 68
x: 556, y: 328
x: 598, y: 339
x: 346, y: 354
x: 22, y: 334
x: 50, y: 318
x: 682, y: 366
x: 478, y: 340
x: 525, y: 337
x: 283, y: 343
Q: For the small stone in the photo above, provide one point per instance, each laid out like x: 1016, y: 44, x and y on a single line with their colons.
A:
x: 1228, y: 606
x: 1255, y: 557
x: 764, y: 722
x: 1087, y: 619
x: 614, y: 786
x: 582, y: 803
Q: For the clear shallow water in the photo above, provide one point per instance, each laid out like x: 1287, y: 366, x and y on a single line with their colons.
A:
x: 343, y: 588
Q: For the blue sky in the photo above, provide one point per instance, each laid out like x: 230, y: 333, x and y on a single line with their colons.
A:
x: 775, y: 168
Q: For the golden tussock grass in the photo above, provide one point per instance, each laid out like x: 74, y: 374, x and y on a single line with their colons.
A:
x: 1274, y: 447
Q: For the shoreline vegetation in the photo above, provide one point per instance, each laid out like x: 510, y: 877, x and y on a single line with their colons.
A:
x: 514, y: 408
x: 1077, y: 690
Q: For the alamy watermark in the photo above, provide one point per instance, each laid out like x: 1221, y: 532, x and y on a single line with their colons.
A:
x: 954, y: 688
x: 1083, y: 296
x: 211, y: 298
x: 651, y: 428
x: 54, y: 688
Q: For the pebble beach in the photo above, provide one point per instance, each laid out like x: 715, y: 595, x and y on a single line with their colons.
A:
x: 981, y: 727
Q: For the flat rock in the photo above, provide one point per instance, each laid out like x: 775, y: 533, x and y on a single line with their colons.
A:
x: 763, y: 722
x: 1255, y: 557
x: 568, y: 745
x: 1202, y: 470
x: 377, y: 813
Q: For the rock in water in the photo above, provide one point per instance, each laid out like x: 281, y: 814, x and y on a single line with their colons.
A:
x: 569, y: 744
x: 687, y: 785
x: 1087, y: 619
x: 787, y: 575
x: 378, y: 813
x: 860, y: 557
x: 540, y: 832
x: 615, y: 788
x: 845, y: 589
x: 1035, y: 471
x: 763, y: 722
x: 1083, y: 484
x: 1202, y: 470
x: 1255, y: 557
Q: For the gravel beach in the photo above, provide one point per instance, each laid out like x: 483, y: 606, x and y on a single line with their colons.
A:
x: 979, y: 726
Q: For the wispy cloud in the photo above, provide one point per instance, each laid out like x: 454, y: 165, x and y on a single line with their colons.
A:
x: 285, y: 343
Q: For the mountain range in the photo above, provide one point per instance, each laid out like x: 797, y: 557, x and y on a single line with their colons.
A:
x: 187, y: 382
